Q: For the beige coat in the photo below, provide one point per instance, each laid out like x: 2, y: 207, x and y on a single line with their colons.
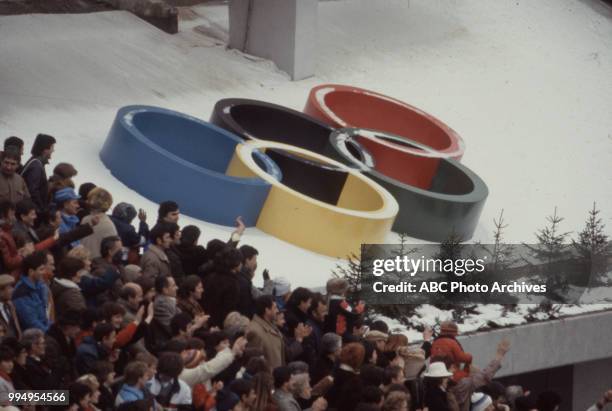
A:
x: 265, y: 336
x: 13, y: 188
x: 154, y: 262
x: 105, y: 228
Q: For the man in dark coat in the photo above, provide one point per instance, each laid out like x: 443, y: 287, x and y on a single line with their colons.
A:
x: 8, y: 315
x: 222, y: 288
x: 60, y: 347
x: 123, y: 215
x: 34, y: 173
x: 246, y: 305
x: 97, y: 347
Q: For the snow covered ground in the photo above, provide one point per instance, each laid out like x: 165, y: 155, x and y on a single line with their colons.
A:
x: 528, y: 86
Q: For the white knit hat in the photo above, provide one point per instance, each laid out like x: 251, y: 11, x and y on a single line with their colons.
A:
x: 480, y: 401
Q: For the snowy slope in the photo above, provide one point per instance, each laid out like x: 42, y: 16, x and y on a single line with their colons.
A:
x: 527, y: 85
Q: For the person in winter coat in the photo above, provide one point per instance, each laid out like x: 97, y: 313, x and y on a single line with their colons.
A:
x: 446, y: 344
x: 25, y: 213
x: 6, y: 367
x: 99, y: 201
x: 189, y: 295
x: 39, y: 375
x: 61, y: 348
x: 167, y: 388
x: 97, y: 347
x: 174, y: 257
x: 8, y: 314
x: 12, y: 187
x: 33, y: 171
x: 222, y: 288
x: 248, y: 292
x: 331, y: 345
x: 67, y: 295
x: 67, y: 201
x: 297, y: 308
x: 31, y: 295
x: 50, y: 225
x: 135, y: 376
x: 122, y: 217
x: 191, y: 254
x: 341, y: 316
x: 464, y: 388
x: 263, y: 333
x: 154, y: 261
x: 84, y: 190
x: 436, y: 380
x: 165, y: 300
x: 346, y: 392
x: 283, y: 397
x: 61, y: 178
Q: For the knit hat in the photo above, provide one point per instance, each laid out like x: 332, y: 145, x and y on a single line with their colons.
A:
x: 282, y: 286
x: 192, y: 358
x: 124, y: 212
x: 330, y: 343
x: 337, y: 286
x: 374, y: 336
x: 65, y: 194
x: 480, y: 401
x: 449, y: 328
x: 226, y: 400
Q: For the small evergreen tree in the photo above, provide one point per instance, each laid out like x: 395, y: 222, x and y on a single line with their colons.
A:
x: 592, y: 247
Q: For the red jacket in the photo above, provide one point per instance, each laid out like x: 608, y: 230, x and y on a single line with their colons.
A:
x: 10, y: 255
x: 446, y: 345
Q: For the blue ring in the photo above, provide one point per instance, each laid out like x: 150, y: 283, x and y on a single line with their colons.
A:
x: 166, y: 155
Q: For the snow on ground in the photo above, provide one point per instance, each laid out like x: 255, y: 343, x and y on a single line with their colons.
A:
x: 526, y: 84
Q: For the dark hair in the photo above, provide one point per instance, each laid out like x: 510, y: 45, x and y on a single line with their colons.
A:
x: 170, y: 364
x: 194, y: 344
x: 165, y: 208
x: 241, y: 387
x: 42, y: 142
x: 228, y: 259
x: 107, y: 245
x: 110, y: 309
x: 298, y: 296
x: 548, y: 400
x: 372, y: 394
x: 102, y: 370
x: 138, y: 405
x: 248, y: 252
x: 12, y: 153
x: 69, y: 267
x: 282, y: 375
x: 158, y: 231
x: 33, y: 261
x: 88, y: 317
x: 262, y: 303
x: 78, y: 391
x: 24, y: 207
x: 188, y: 285
x: 134, y: 371
x: 214, y: 247
x: 5, y: 207
x: 257, y: 364
x: 366, y: 406
x: 391, y: 372
x: 380, y: 325
x: 317, y: 298
x: 70, y: 317
x: 13, y: 141
x: 370, y: 374
x: 398, y: 387
x: 85, y: 188
x: 127, y: 292
x: 6, y: 353
x: 161, y: 282
x: 15, y: 345
x: 65, y: 170
x: 102, y: 331
x: 190, y: 235
x: 175, y: 345
x: 180, y: 322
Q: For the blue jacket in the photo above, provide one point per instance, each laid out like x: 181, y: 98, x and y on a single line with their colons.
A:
x: 31, y: 300
x: 91, y: 286
x: 88, y: 353
x: 69, y: 223
x: 128, y: 393
x: 126, y: 231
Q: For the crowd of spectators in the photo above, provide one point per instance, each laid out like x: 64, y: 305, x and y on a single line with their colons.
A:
x: 147, y: 318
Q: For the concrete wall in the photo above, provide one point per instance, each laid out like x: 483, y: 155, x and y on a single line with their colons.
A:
x: 547, y: 344
x: 591, y: 380
x: 283, y: 31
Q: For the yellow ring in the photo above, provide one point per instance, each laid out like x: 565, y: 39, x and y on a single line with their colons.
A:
x: 365, y: 211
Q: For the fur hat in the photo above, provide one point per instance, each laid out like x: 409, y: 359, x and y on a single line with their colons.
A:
x: 337, y: 286
x: 374, y: 336
x: 124, y: 212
